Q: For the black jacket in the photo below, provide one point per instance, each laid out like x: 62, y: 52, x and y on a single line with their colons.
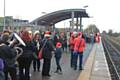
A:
x: 8, y: 54
x: 48, y: 48
x: 28, y: 49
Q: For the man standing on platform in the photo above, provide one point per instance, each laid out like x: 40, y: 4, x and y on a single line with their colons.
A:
x: 78, y: 51
x: 47, y: 54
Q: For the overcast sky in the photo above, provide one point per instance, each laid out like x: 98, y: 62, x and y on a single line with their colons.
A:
x: 105, y: 13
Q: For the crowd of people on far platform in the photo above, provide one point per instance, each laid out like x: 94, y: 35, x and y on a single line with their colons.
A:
x: 44, y: 44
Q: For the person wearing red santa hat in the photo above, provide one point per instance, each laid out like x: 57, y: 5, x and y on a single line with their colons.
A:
x: 58, y: 55
x: 47, y: 53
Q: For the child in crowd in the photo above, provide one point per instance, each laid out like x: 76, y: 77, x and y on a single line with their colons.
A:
x: 58, y: 55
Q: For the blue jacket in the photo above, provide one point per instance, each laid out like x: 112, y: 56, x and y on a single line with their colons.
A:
x: 58, y: 52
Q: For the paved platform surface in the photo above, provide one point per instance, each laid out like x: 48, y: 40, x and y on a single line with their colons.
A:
x: 100, y: 69
x: 68, y: 73
x: 96, y: 67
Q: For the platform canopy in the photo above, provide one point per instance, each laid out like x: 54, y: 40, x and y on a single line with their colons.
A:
x: 57, y: 16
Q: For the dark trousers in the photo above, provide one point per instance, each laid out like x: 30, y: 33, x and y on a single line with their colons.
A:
x: 58, y: 63
x: 64, y: 46
x: 24, y: 65
x: 71, y: 60
x: 36, y: 64
x: 2, y: 76
x: 46, y: 66
x: 12, y: 71
x: 80, y: 55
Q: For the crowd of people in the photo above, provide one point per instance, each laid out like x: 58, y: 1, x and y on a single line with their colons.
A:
x: 49, y: 43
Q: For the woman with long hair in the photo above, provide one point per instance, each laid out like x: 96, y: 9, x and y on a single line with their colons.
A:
x: 26, y: 58
x: 37, y: 44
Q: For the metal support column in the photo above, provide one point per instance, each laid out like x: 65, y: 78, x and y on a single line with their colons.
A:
x: 80, y: 23
x: 36, y: 23
x: 72, y: 24
x: 77, y: 24
x: 53, y: 27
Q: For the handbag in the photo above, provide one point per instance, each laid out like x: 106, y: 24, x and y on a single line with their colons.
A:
x: 40, y: 52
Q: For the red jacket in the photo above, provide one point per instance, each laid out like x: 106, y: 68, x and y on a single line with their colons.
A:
x: 80, y: 45
x: 75, y: 43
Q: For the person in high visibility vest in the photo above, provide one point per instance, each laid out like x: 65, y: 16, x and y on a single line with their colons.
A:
x: 78, y: 51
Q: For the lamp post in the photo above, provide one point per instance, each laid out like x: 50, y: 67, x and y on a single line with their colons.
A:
x: 43, y: 12
x: 86, y: 6
x: 4, y: 26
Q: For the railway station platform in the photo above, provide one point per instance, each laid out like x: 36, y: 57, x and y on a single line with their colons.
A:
x: 96, y: 67
x: 94, y: 64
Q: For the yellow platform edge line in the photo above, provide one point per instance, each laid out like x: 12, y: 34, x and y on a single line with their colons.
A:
x: 85, y: 74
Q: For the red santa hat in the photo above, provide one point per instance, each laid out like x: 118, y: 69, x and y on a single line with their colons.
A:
x: 58, y: 45
x: 47, y: 34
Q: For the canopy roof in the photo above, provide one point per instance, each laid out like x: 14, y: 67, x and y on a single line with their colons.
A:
x: 58, y: 16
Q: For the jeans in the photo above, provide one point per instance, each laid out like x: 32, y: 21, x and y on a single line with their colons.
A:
x: 80, y: 55
x: 58, y: 63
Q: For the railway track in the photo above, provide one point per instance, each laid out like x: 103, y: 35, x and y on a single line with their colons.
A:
x: 113, y: 57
